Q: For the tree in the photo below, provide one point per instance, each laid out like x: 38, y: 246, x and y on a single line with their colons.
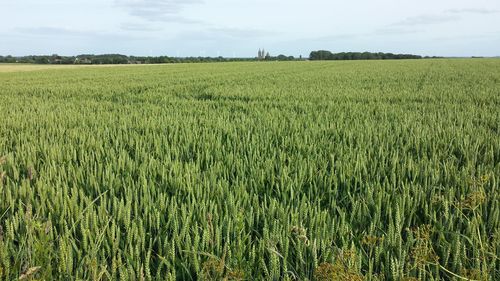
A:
x: 327, y: 55
x: 41, y: 60
x: 321, y: 55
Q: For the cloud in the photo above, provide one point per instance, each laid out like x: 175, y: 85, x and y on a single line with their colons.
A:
x: 217, y: 33
x: 426, y: 20
x: 138, y: 27
x: 450, y: 15
x: 395, y: 31
x: 334, y: 37
x: 241, y: 32
x: 481, y: 36
x: 48, y: 31
x: 473, y: 11
x: 52, y: 31
x: 348, y: 37
x: 158, y: 10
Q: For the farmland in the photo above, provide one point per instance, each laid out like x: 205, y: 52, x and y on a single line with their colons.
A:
x: 367, y: 170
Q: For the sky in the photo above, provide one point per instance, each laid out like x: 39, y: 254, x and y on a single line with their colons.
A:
x: 238, y: 28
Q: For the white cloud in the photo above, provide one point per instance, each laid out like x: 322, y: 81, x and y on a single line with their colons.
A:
x: 158, y: 10
x: 473, y: 11
x: 426, y: 20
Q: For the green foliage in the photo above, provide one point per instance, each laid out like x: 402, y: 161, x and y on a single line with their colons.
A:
x: 327, y: 55
x: 246, y: 171
x: 87, y: 59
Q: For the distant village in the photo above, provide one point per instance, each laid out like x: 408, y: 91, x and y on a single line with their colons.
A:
x: 123, y: 59
x: 262, y: 55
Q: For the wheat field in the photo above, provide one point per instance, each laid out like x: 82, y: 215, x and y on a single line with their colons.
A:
x: 366, y: 170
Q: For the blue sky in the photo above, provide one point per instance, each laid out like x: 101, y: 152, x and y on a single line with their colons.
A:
x: 239, y: 28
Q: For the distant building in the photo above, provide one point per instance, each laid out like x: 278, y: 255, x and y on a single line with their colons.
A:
x: 261, y: 55
x: 83, y: 61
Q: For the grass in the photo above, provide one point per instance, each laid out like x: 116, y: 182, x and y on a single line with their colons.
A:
x: 8, y: 67
x: 22, y: 67
x: 367, y: 170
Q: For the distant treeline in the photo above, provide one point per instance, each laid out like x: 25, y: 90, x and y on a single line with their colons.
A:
x: 123, y: 59
x: 327, y: 55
